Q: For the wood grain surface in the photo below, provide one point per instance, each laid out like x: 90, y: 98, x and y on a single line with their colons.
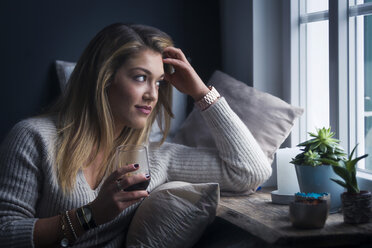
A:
x: 270, y: 222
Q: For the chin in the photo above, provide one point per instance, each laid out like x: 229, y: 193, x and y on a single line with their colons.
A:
x: 138, y: 125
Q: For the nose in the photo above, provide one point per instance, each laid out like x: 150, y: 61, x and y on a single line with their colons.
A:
x: 151, y: 93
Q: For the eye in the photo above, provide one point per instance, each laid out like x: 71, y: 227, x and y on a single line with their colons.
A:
x: 140, y: 78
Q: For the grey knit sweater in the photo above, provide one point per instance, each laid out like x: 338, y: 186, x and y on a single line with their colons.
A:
x: 29, y: 189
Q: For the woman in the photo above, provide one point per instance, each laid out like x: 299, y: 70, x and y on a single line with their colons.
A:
x: 57, y: 185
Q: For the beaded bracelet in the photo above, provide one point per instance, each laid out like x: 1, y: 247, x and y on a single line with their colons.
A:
x: 71, y: 226
x: 64, y: 241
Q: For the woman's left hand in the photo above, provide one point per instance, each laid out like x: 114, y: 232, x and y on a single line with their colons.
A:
x: 185, y: 79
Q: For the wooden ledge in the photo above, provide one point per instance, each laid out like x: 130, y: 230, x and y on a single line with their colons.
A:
x: 270, y: 222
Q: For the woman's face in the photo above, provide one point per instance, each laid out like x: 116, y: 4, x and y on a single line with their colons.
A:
x: 134, y: 92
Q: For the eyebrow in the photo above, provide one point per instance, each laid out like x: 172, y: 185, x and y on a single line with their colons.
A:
x: 144, y: 70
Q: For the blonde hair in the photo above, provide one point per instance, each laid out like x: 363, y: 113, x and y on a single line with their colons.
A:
x: 85, y: 121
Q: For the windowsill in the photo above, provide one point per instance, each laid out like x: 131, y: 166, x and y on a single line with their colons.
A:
x: 364, y: 180
x: 257, y: 215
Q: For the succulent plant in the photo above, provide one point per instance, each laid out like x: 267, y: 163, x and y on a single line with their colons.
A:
x: 347, y: 169
x: 321, y: 146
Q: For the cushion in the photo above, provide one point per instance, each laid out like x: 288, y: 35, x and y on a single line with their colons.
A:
x: 269, y: 118
x: 179, y: 104
x: 174, y: 215
x: 64, y: 70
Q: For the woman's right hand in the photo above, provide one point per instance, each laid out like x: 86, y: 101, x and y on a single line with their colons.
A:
x: 111, y: 200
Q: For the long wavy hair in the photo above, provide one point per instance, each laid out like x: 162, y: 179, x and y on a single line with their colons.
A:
x: 85, y: 122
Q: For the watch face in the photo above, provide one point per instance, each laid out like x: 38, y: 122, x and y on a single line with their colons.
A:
x: 87, y: 213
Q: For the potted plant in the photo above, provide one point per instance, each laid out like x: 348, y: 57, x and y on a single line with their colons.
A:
x: 312, y: 173
x: 356, y: 203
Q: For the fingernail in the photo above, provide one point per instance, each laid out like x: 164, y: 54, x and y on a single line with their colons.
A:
x: 147, y: 176
x: 136, y: 166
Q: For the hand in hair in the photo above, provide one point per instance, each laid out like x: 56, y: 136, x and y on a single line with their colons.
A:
x: 111, y: 200
x: 185, y: 79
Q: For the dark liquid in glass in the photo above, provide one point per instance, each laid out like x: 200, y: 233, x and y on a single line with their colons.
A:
x: 138, y: 186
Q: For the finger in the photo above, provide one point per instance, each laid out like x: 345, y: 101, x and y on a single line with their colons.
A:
x: 176, y: 53
x: 127, y: 181
x: 115, y: 175
x: 124, y: 196
x: 178, y: 64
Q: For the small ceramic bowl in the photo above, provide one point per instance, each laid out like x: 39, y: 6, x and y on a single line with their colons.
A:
x: 308, y: 216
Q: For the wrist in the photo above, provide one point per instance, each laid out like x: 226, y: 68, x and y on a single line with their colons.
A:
x: 200, y: 93
x: 85, y: 217
x: 79, y: 229
x: 208, y: 99
x: 97, y: 215
x: 68, y: 229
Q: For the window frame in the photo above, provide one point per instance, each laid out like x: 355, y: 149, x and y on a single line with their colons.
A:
x: 343, y: 95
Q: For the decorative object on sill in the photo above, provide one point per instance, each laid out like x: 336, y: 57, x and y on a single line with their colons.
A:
x: 286, y: 177
x: 309, y: 210
x: 313, y: 173
x: 313, y: 197
x: 356, y: 203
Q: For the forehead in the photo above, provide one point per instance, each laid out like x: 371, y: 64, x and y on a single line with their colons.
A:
x: 146, y: 58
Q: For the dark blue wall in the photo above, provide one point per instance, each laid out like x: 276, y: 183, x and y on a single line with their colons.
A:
x: 36, y: 33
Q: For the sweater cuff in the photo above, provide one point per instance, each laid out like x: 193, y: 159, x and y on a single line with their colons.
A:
x: 218, y: 112
x: 21, y: 232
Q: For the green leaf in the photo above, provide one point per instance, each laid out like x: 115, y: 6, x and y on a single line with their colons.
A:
x: 309, y: 142
x: 352, y: 188
x: 323, y: 148
x: 328, y: 161
x: 339, y: 182
x: 342, y: 172
x: 314, y: 146
x: 352, y: 152
x: 313, y: 134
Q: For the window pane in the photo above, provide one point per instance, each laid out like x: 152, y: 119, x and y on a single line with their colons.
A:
x: 317, y: 75
x: 355, y: 2
x: 368, y: 89
x: 316, y: 5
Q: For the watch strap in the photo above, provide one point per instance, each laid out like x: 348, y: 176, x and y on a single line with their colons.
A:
x: 85, y: 221
x: 208, y: 99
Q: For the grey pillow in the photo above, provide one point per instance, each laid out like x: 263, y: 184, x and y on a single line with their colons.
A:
x: 64, y: 70
x: 174, y: 215
x: 269, y: 118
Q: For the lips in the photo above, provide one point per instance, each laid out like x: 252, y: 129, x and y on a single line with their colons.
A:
x: 144, y: 109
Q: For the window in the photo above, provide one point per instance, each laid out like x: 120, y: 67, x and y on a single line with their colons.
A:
x: 335, y: 57
x: 315, y: 57
x: 360, y: 66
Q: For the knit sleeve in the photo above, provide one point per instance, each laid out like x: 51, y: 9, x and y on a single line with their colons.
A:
x: 19, y: 186
x: 238, y: 164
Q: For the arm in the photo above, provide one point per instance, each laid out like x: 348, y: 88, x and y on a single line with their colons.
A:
x: 20, y: 179
x: 20, y: 186
x: 109, y: 203
x: 22, y: 158
x: 238, y: 164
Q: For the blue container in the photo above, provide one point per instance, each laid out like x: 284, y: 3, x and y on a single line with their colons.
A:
x: 318, y: 180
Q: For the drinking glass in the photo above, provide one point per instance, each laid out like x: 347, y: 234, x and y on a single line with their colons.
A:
x: 133, y: 154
